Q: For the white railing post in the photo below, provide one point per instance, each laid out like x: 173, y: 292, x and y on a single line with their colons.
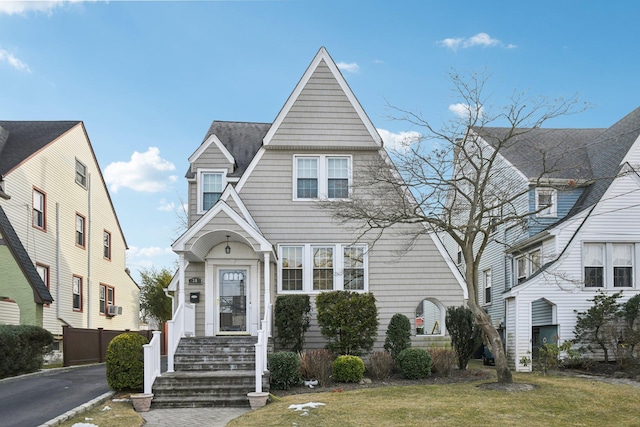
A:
x: 152, y: 361
x: 259, y: 363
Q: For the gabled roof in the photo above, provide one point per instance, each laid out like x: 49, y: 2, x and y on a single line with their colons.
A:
x: 606, y: 154
x: 558, y: 153
x: 242, y: 140
x: 41, y: 294
x: 323, y: 58
x: 19, y: 140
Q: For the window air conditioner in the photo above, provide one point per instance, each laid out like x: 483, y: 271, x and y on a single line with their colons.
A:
x: 114, y: 310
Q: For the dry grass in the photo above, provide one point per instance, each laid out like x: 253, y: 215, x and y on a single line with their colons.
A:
x: 120, y: 414
x: 557, y: 400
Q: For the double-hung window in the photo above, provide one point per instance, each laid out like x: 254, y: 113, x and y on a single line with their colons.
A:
x: 486, y: 284
x: 593, y: 262
x: 292, y: 268
x: 107, y: 298
x: 322, y: 176
x: 80, y: 230
x: 212, y: 186
x: 81, y: 173
x: 322, y: 268
x: 39, y: 209
x: 77, y: 293
x: 622, y: 265
x: 106, y: 245
x: 546, y: 202
x: 314, y: 268
x: 43, y: 272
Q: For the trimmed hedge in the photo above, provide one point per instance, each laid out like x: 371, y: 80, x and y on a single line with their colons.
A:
x: 398, y: 335
x: 348, y: 369
x: 414, y: 363
x: 348, y: 320
x: 125, y: 362
x: 284, y: 370
x: 22, y: 348
x: 292, y: 320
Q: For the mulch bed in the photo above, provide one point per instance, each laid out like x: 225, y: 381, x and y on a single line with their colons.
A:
x: 456, y: 376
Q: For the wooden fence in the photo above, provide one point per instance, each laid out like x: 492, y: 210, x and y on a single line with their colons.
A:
x: 84, y: 346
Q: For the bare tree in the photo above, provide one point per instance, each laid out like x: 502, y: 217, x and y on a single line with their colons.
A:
x: 454, y: 181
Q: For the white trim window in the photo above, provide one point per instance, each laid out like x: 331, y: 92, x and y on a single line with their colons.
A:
x: 608, y: 265
x: 593, y: 262
x: 39, y: 209
x: 321, y: 176
x: 317, y: 268
x: 486, y: 286
x: 527, y: 264
x: 547, y: 201
x: 210, y: 187
x: 622, y: 265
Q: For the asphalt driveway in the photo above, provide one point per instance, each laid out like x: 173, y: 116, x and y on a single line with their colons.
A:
x: 31, y: 400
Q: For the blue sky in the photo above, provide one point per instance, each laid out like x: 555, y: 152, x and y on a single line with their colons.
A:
x: 148, y: 77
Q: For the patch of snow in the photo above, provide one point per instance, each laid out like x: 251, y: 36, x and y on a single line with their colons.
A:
x: 106, y: 408
x: 302, y: 406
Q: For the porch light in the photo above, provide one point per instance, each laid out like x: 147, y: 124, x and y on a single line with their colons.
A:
x: 227, y: 249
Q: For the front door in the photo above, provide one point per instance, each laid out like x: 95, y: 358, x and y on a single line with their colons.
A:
x: 232, y: 301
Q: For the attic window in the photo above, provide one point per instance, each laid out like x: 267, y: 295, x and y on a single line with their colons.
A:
x: 81, y: 173
x: 546, y: 201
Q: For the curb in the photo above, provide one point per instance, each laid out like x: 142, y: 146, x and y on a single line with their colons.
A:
x: 78, y: 410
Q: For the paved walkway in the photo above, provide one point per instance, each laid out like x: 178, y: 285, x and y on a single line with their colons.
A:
x: 210, y: 417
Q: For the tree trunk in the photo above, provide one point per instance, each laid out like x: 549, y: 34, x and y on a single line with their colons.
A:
x: 495, y: 343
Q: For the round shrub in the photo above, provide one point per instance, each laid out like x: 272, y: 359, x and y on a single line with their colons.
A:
x: 414, y: 363
x: 348, y: 369
x: 284, y: 370
x: 125, y: 362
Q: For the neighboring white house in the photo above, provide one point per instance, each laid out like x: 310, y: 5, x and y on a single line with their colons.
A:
x: 256, y: 231
x: 56, y: 202
x: 585, y: 237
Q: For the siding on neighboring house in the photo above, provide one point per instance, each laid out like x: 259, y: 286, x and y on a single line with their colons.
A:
x: 64, y: 200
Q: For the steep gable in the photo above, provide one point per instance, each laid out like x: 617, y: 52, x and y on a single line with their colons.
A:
x: 8, y: 235
x: 19, y: 140
x: 322, y: 112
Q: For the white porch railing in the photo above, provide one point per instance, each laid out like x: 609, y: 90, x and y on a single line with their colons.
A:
x: 183, y: 324
x: 261, y: 347
x: 152, y: 361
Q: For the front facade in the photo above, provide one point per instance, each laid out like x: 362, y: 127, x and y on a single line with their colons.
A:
x: 56, y: 201
x: 257, y: 230
x: 582, y: 235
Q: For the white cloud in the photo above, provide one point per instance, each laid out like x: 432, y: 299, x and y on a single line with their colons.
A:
x: 166, y: 206
x: 398, y: 141
x: 348, y: 67
x: 25, y: 6
x: 480, y: 39
x: 464, y: 110
x: 13, y: 61
x: 146, y: 172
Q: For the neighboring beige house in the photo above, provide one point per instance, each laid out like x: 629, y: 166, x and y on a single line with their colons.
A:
x: 55, y: 199
x: 254, y: 219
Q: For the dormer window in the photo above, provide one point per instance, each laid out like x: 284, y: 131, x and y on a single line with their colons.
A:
x: 546, y: 202
x: 210, y: 187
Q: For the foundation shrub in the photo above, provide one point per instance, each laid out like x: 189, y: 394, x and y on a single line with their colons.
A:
x: 442, y: 361
x: 414, y: 363
x: 317, y: 365
x: 398, y: 335
x: 22, y: 348
x: 284, y: 370
x: 380, y: 365
x: 125, y: 362
x: 348, y: 369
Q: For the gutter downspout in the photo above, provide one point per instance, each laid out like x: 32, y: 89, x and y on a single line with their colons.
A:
x: 58, y: 262
x: 89, y: 323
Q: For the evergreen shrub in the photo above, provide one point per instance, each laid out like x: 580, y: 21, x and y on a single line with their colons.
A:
x: 348, y: 369
x: 414, y: 363
x: 22, y: 348
x: 284, y: 370
x: 125, y: 362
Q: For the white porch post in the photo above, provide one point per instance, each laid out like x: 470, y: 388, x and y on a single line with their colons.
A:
x: 181, y: 284
x: 267, y: 279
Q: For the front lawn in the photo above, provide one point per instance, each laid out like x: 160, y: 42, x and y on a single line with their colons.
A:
x: 556, y: 400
